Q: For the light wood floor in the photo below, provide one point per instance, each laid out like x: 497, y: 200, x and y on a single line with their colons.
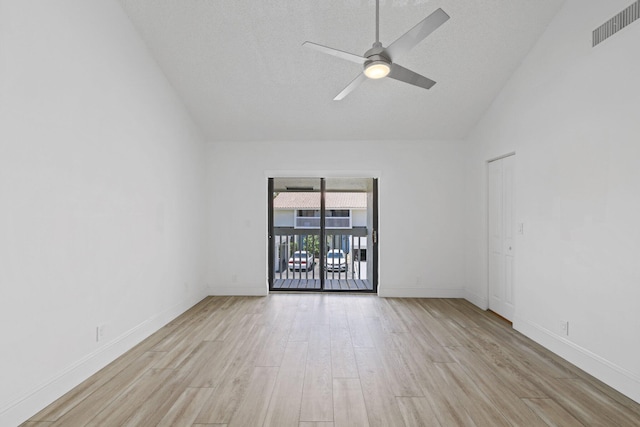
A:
x: 339, y: 360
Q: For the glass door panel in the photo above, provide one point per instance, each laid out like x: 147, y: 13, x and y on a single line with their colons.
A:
x: 348, y: 205
x: 295, y: 234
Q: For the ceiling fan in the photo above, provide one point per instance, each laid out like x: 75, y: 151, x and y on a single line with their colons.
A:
x: 379, y: 61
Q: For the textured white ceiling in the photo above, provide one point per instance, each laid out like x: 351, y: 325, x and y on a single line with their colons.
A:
x: 242, y: 72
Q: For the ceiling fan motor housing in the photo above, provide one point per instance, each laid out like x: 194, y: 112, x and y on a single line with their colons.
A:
x: 378, y: 51
x: 377, y: 58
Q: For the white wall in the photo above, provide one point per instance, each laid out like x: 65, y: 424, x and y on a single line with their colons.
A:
x: 421, y: 200
x: 358, y: 217
x: 282, y: 218
x: 571, y: 115
x: 101, y: 197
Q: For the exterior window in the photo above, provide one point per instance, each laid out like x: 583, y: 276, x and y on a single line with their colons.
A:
x: 305, y: 213
x: 335, y: 218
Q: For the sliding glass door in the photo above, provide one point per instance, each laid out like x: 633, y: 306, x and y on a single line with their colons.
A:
x: 322, y: 234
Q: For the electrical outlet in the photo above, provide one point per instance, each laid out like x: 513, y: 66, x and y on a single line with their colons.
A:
x: 564, y: 327
x: 100, y: 332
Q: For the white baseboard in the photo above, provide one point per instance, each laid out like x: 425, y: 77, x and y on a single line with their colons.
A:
x: 609, y: 373
x: 239, y: 291
x: 389, y: 292
x: 31, y: 403
x: 420, y: 293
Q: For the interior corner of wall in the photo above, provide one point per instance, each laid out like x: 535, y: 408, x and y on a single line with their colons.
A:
x: 481, y: 301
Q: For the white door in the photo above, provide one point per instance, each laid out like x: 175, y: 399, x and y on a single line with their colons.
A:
x: 501, y: 243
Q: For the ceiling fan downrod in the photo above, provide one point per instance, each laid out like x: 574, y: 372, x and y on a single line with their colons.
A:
x: 377, y: 22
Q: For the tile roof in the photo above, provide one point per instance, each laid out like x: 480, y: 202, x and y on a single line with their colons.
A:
x: 308, y: 200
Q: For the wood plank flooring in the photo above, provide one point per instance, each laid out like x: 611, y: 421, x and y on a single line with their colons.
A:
x: 337, y: 360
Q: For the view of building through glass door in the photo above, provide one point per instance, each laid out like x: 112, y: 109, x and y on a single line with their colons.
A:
x: 322, y: 234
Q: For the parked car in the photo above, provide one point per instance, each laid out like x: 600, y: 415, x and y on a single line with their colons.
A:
x: 336, y: 260
x: 301, y: 260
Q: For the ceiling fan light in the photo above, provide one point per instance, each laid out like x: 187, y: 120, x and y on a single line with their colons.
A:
x: 377, y: 69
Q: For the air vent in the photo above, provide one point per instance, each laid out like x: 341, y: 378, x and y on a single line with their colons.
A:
x: 299, y: 188
x: 616, y: 23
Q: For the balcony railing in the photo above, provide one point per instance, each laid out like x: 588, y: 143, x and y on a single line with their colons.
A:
x: 349, y: 273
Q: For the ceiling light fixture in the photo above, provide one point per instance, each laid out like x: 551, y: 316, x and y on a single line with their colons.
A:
x: 377, y: 69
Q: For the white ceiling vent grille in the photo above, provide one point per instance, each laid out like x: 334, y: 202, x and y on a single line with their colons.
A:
x: 615, y: 24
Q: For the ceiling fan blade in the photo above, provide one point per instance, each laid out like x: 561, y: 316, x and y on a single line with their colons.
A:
x: 335, y: 52
x: 354, y: 84
x: 411, y: 38
x: 405, y: 75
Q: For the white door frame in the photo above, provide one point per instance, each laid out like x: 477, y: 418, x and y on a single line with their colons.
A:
x: 510, y: 312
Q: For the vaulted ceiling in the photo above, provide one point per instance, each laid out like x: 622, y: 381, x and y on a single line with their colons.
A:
x: 240, y: 68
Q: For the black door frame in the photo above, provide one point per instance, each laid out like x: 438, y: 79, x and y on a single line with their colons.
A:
x: 374, y: 239
x: 374, y: 235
